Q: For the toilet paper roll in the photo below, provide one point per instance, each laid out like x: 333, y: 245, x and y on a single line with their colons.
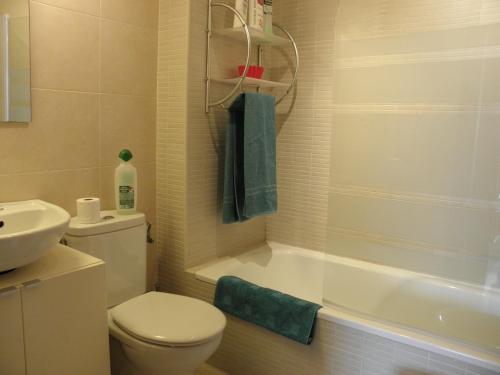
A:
x: 88, y: 210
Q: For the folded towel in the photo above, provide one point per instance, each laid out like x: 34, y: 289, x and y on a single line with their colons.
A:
x: 281, y: 313
x: 250, y: 165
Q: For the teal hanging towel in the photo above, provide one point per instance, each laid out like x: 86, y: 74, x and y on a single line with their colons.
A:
x: 250, y: 165
x: 281, y: 313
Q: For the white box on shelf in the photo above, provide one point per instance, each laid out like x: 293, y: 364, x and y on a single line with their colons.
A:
x: 241, y: 7
x: 256, y: 14
x: 268, y: 16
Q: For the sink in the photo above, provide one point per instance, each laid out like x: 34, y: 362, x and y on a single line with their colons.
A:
x: 28, y: 230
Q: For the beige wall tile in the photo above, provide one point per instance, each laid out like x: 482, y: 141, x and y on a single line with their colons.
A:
x: 127, y: 122
x: 304, y: 122
x: 60, y: 187
x: 140, y: 13
x: 63, y: 141
x: 85, y: 6
x: 64, y: 49
x: 64, y: 134
x: 128, y: 59
x: 205, y: 135
x: 171, y: 141
x: 15, y: 8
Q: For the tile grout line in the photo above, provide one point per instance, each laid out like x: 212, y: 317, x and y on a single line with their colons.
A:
x: 99, y: 16
x: 27, y: 173
x: 99, y: 99
x: 94, y: 92
x: 46, y: 171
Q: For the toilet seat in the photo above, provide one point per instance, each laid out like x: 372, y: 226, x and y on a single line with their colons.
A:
x: 169, y: 319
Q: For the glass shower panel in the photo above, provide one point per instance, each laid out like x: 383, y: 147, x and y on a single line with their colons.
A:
x: 415, y: 162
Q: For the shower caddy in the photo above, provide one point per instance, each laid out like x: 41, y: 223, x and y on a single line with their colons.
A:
x: 250, y: 35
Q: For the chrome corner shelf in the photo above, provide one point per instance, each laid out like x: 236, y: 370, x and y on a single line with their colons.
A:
x: 251, y: 82
x: 249, y: 35
x: 238, y: 33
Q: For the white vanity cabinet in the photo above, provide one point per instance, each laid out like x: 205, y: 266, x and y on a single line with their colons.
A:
x: 53, y: 317
x: 11, y: 332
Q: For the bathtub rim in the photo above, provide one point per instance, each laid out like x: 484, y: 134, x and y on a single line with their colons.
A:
x: 351, y: 319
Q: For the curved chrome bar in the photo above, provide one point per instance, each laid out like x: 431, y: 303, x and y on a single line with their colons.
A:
x: 297, y: 62
x: 247, y: 63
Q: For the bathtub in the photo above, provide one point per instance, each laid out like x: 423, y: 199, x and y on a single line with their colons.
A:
x: 425, y: 312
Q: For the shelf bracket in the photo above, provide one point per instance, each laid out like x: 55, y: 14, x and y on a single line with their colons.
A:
x: 209, y: 104
x: 297, y: 62
x: 239, y: 83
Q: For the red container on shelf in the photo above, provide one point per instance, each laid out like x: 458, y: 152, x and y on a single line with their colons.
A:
x: 254, y: 71
x: 259, y: 71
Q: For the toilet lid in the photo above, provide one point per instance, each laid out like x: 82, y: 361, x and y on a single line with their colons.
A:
x: 169, y: 319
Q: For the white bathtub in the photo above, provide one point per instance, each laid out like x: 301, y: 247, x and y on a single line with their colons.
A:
x: 438, y: 315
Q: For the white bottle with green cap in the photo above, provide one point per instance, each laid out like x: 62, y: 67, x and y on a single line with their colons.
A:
x: 125, y: 184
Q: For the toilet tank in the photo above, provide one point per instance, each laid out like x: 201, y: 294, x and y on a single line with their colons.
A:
x: 120, y: 241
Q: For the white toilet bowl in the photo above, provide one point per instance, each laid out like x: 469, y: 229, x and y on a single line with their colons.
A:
x: 153, y: 333
x: 166, y: 334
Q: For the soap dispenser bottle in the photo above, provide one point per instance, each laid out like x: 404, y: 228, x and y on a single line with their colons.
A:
x: 125, y: 184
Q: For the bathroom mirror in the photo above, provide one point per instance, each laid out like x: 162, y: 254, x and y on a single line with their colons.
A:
x: 15, y: 92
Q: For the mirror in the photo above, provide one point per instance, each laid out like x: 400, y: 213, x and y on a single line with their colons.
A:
x: 15, y: 91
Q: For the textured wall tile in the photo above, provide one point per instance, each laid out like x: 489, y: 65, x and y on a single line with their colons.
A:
x: 68, y: 120
x: 171, y: 141
x: 64, y: 49
x: 127, y: 122
x: 128, y: 59
x: 304, y: 132
x: 85, y: 6
x: 140, y: 13
x: 59, y: 187
x: 63, y: 153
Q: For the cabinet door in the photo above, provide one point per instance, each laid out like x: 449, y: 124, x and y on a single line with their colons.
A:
x: 11, y: 332
x: 65, y: 324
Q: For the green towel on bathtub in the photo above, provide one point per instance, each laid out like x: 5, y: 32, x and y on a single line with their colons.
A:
x: 250, y: 165
x: 281, y: 313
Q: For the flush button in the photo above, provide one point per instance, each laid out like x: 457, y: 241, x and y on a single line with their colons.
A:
x: 109, y: 217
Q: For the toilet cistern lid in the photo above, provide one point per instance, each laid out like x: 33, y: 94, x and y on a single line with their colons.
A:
x: 169, y: 319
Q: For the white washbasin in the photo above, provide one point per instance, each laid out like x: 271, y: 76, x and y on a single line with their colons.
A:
x: 28, y: 230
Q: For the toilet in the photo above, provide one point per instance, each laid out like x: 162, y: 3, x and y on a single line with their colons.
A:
x: 156, y: 333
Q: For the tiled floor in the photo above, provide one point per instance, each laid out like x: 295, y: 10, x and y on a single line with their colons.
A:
x: 209, y: 370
